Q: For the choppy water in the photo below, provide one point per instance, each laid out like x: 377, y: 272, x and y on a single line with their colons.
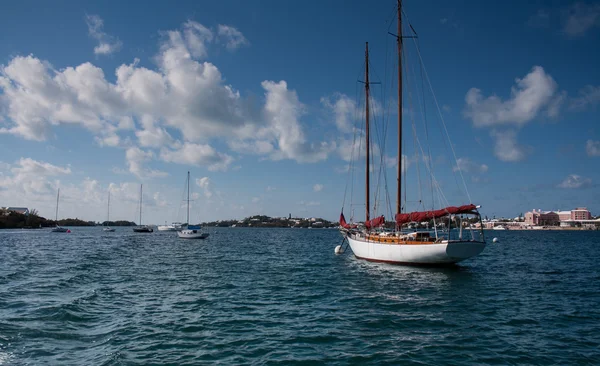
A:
x: 280, y: 296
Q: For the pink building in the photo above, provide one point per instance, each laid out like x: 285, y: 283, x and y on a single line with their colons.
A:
x: 580, y: 213
x: 541, y: 218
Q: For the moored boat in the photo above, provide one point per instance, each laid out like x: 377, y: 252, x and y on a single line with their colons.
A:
x: 381, y: 241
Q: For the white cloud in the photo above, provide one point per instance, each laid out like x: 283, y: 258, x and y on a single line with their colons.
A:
x: 183, y: 96
x: 282, y: 111
x: 574, y: 181
x: 106, y: 44
x: 588, y: 95
x: 270, y: 189
x: 197, y: 154
x: 468, y: 166
x: 592, y: 148
x: 232, y: 37
x: 206, y: 184
x: 344, y: 110
x: 507, y: 148
x: 581, y: 18
x: 31, y: 178
x: 136, y: 158
x: 536, y: 92
x: 255, y: 199
x: 317, y: 187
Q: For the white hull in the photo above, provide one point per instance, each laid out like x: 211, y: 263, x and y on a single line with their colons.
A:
x: 166, y: 228
x: 59, y: 229
x: 192, y: 234
x: 438, y: 253
x: 108, y: 230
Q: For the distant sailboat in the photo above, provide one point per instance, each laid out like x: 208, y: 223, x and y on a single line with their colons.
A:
x: 59, y: 229
x: 192, y: 231
x: 108, y: 229
x: 142, y: 229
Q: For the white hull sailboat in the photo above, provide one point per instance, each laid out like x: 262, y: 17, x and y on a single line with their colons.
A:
x: 108, y: 229
x: 58, y: 228
x: 142, y: 228
x: 371, y: 241
x: 191, y: 231
x: 166, y: 227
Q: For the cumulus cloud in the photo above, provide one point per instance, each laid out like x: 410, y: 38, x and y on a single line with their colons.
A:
x: 32, y: 177
x: 197, y: 154
x: 282, y: 111
x: 136, y: 158
x: 344, y: 110
x: 107, y: 44
x: 183, y: 97
x: 574, y: 181
x: 592, y: 148
x: 534, y: 93
x: 506, y: 147
x: 206, y: 184
x: 231, y: 37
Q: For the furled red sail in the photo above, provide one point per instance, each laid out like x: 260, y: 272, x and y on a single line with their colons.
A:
x: 403, y: 218
x: 344, y: 224
x: 378, y: 221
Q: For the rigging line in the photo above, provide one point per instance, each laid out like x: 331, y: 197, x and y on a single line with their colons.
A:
x: 421, y: 102
x: 414, y: 130
x: 426, y: 125
x: 442, y: 119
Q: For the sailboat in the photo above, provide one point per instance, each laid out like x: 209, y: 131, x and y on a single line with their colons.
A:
x: 142, y: 229
x: 191, y: 231
x: 371, y: 241
x: 108, y: 229
x: 59, y: 229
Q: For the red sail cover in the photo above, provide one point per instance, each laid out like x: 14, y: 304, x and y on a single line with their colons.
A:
x: 344, y: 224
x: 378, y: 221
x: 403, y: 218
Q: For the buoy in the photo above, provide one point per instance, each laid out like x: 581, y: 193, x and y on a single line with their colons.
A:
x: 338, y: 250
x: 495, y: 240
x: 68, y: 231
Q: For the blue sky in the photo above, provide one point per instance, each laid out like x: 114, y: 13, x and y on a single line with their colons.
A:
x: 260, y: 102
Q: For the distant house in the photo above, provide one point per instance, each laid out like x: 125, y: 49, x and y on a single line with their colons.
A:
x: 21, y: 210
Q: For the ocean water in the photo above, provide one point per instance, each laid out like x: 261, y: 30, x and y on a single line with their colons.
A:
x: 281, y: 296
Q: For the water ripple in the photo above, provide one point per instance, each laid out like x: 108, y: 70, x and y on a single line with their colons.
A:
x: 269, y: 296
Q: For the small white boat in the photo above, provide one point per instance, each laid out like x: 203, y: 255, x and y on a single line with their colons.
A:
x: 166, y: 227
x: 58, y: 228
x: 142, y: 229
x: 499, y: 227
x: 190, y: 231
x: 108, y: 229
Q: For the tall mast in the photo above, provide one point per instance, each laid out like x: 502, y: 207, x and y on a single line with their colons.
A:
x: 57, y: 195
x: 399, y: 176
x: 108, y: 209
x: 367, y: 126
x: 141, y: 185
x: 188, y: 199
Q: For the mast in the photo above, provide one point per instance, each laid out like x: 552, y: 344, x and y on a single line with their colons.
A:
x: 141, y: 185
x: 108, y: 209
x: 399, y: 44
x: 188, y: 199
x: 367, y: 127
x: 56, y: 217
